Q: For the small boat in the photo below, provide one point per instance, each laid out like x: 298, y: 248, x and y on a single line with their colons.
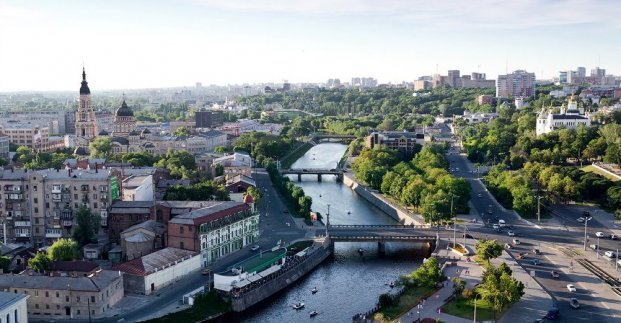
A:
x: 360, y: 251
x: 298, y: 306
x: 348, y: 212
x: 313, y: 313
x: 391, y: 284
x: 314, y: 290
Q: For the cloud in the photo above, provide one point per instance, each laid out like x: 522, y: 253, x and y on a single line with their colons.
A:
x: 445, y: 13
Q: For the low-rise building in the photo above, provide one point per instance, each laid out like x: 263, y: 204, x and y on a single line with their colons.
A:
x: 13, y: 307
x: 67, y: 297
x: 239, y: 183
x: 214, y: 231
x: 399, y: 140
x: 27, y: 134
x: 138, y: 188
x: 157, y: 270
x: 142, y: 239
x: 570, y: 117
x: 234, y: 164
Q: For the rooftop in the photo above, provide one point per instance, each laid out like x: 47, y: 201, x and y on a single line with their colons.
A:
x: 155, y: 261
x: 207, y: 214
x: 56, y: 174
x: 95, y: 283
x: 241, y: 178
x: 7, y: 299
x: 259, y: 262
x: 75, y: 265
x: 135, y: 181
x: 150, y: 225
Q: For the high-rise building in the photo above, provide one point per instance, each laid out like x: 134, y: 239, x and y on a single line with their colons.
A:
x: 581, y: 71
x: 85, y: 124
x: 453, y: 78
x: 598, y: 72
x: 562, y: 77
x: 518, y: 83
x: 208, y: 118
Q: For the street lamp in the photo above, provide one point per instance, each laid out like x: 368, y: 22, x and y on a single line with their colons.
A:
x: 598, y: 247
x: 539, y: 208
x: 475, y: 309
x: 586, y: 220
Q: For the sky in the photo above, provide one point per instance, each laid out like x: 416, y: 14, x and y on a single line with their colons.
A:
x: 134, y: 44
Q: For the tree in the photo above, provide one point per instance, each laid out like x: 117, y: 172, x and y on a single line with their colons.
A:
x: 87, y: 226
x: 63, y: 250
x: 458, y: 286
x: 436, y: 207
x: 500, y: 289
x: 182, y: 132
x: 488, y: 249
x: 5, y: 262
x: 428, y: 274
x: 101, y: 147
x: 220, y: 149
x: 40, y: 262
x: 385, y: 300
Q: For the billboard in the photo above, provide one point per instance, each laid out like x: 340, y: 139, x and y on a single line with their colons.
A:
x: 114, y: 188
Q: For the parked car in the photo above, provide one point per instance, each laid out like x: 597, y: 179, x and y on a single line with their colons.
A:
x: 580, y: 220
x: 571, y: 287
x: 255, y: 247
x: 490, y: 212
x: 574, y: 303
x: 599, y: 234
x: 502, y: 222
x: 496, y: 226
x: 537, y: 251
x: 511, y: 233
x: 536, y: 262
x: 516, y: 241
x: 555, y: 274
x: 553, y: 314
x: 613, y: 237
x: 480, y: 195
x: 507, y: 246
x: 609, y: 254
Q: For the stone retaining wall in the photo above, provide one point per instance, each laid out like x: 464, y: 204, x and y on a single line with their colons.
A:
x: 396, y: 212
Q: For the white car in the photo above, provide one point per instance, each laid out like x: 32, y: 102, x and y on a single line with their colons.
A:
x: 516, y: 241
x: 502, y: 222
x: 511, y: 233
x: 496, y: 226
x: 609, y: 254
x: 599, y: 234
x: 571, y: 287
x: 255, y: 248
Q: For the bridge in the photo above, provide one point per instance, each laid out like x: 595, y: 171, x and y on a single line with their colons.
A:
x: 383, y: 233
x: 319, y: 136
x: 313, y: 171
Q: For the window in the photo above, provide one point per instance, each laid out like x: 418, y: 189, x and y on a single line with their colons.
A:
x: 67, y: 299
x: 190, y: 228
x: 94, y: 196
x: 181, y: 229
x: 93, y: 300
x: 57, y: 295
x: 57, y: 307
x: 47, y: 294
x: 36, y: 200
x: 181, y: 245
x: 77, y: 299
x: 95, y: 205
x: 75, y: 196
x: 34, y: 187
x: 36, y: 210
x: 37, y: 306
x: 47, y: 306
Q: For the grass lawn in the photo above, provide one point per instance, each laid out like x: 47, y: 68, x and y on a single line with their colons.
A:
x: 409, y: 299
x: 205, y: 306
x: 465, y: 308
x: 597, y: 171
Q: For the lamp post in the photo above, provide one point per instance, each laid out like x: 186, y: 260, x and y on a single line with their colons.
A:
x: 539, y: 208
x: 597, y: 247
x: 586, y: 220
x: 474, y: 320
x: 328, y: 220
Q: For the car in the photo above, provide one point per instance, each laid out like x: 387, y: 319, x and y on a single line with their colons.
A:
x: 255, y: 247
x: 613, y: 237
x: 521, y: 255
x: 496, y: 226
x: 489, y: 221
x: 507, y: 246
x: 480, y: 195
x: 599, y: 234
x: 467, y: 236
x: 571, y: 287
x: 489, y: 206
x: 490, y: 211
x: 609, y: 254
x: 536, y: 262
x: 580, y: 220
x: 516, y: 241
x: 574, y: 303
x: 555, y: 274
x: 285, y: 211
x: 502, y: 222
x: 511, y: 233
x: 537, y: 251
x: 305, y: 170
x: 553, y: 314
x: 206, y: 271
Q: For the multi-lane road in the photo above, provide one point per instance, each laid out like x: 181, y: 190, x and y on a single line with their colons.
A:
x: 549, y: 240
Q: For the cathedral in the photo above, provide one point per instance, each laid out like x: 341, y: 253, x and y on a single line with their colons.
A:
x: 126, y: 137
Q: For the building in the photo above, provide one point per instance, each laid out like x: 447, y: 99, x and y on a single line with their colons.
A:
x: 455, y: 80
x: 250, y: 270
x: 142, y: 239
x: 138, y: 188
x: 208, y: 118
x: 234, y: 164
x: 85, y: 123
x: 486, y: 99
x: 152, y: 272
x: 570, y: 117
x: 519, y: 103
x: 239, y: 183
x: 13, y: 307
x: 104, y: 120
x: 27, y: 134
x: 407, y: 142
x: 66, y: 297
x: 4, y: 147
x: 214, y: 231
x: 518, y: 83
x: 37, y: 206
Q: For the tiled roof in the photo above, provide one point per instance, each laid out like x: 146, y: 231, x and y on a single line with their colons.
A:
x: 81, y: 283
x: 76, y: 265
x: 152, y: 262
x: 208, y: 214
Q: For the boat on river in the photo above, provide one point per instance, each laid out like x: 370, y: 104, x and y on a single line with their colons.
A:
x: 313, y: 313
x: 361, y: 251
x: 314, y: 290
x: 298, y: 306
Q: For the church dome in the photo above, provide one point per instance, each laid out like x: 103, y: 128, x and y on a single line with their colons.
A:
x: 124, y: 111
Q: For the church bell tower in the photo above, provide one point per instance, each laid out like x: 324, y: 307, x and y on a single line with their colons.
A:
x: 85, y: 126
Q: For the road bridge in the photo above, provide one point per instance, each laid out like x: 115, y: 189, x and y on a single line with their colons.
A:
x: 313, y: 171
x: 320, y: 136
x: 383, y: 233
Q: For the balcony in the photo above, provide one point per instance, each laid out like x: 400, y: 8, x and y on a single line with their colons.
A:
x: 84, y: 188
x: 22, y: 233
x: 56, y: 197
x: 14, y: 196
x: 56, y: 189
x: 14, y: 188
x: 22, y: 223
x: 53, y: 233
x: 67, y: 223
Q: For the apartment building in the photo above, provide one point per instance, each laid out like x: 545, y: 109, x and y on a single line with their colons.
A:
x: 67, y: 297
x: 214, y: 231
x: 38, y: 205
x: 26, y: 134
x: 399, y: 140
x: 519, y: 83
x: 4, y: 147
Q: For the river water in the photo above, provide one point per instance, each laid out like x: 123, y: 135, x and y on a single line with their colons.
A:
x: 348, y: 283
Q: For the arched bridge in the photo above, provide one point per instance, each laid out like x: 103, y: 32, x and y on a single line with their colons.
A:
x: 313, y: 171
x: 382, y: 234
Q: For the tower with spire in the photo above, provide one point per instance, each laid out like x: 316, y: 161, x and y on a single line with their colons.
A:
x: 85, y: 126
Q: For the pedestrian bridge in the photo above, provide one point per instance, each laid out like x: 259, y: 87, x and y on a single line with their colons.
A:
x: 313, y: 171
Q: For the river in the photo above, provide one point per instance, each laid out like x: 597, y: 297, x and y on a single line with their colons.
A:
x: 348, y: 283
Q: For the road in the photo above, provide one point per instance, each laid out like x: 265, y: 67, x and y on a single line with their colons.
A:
x: 272, y: 227
x: 531, y: 237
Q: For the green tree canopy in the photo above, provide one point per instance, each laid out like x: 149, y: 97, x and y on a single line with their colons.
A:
x: 40, y: 262
x: 488, y: 249
x: 101, y: 147
x: 87, y: 226
x: 63, y: 250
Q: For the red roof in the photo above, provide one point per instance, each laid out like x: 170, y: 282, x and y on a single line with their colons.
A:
x: 75, y: 265
x: 134, y: 267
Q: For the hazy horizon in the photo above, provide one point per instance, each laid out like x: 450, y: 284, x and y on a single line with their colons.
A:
x: 165, y: 44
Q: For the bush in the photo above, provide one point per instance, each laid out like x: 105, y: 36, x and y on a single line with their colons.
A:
x: 468, y: 293
x: 385, y: 300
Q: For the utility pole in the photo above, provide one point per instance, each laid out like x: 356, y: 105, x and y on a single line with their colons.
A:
x: 454, y: 224
x: 617, y: 262
x: 475, y: 310
x: 586, y: 220
x: 597, y: 247
x: 328, y: 221
x: 539, y: 208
